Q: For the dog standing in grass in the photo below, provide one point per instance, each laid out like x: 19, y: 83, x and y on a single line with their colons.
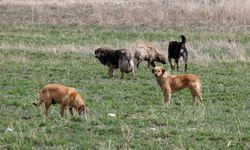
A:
x: 149, y: 54
x: 176, y: 50
x: 65, y: 96
x: 173, y: 83
x: 115, y: 59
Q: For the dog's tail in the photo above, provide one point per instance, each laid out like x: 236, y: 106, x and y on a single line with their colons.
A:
x: 183, y: 39
x: 199, y: 90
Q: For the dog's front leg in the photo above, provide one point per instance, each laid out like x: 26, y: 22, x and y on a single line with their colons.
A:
x: 133, y: 73
x: 122, y: 74
x: 111, y: 70
x: 167, y: 97
x: 47, y: 104
x: 151, y: 62
x: 176, y: 62
x: 62, y: 109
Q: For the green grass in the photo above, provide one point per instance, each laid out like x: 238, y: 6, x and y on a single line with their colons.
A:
x: 53, y: 35
x: 142, y: 121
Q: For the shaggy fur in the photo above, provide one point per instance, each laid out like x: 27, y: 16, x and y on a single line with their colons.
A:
x: 176, y: 50
x: 150, y: 54
x: 114, y: 59
x: 173, y: 83
x: 65, y: 96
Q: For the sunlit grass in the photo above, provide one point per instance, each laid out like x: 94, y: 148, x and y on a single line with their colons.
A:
x: 141, y: 122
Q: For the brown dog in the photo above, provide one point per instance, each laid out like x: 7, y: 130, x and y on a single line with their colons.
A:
x: 172, y: 83
x: 148, y: 53
x: 65, y: 96
x: 115, y: 59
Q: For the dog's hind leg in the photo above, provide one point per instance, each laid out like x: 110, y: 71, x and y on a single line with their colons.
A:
x: 185, y: 61
x: 185, y: 66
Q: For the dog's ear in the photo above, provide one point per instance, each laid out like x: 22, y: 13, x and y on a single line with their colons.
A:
x: 82, y: 110
x: 100, y: 50
x: 153, y: 70
x: 72, y: 94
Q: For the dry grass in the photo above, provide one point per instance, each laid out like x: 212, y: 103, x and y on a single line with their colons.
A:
x: 211, y: 15
x: 205, y: 51
x: 19, y: 59
x: 214, y: 13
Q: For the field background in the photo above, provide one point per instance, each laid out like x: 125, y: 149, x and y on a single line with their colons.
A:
x: 53, y: 42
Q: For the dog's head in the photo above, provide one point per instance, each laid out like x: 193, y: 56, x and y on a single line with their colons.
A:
x: 82, y: 110
x: 100, y: 52
x: 161, y: 58
x: 79, y: 105
x: 158, y: 71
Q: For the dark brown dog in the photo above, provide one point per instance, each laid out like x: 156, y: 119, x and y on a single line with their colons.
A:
x: 176, y: 50
x: 148, y: 53
x: 172, y: 83
x: 114, y: 59
x: 65, y: 96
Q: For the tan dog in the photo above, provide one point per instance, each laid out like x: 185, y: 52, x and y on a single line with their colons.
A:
x: 65, y: 96
x: 148, y: 53
x: 172, y: 83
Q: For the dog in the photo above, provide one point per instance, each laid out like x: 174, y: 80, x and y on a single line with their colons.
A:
x: 173, y: 83
x: 65, y: 96
x: 150, y: 54
x: 115, y: 59
x: 176, y: 50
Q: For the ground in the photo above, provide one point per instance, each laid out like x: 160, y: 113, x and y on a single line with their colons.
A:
x: 34, y: 56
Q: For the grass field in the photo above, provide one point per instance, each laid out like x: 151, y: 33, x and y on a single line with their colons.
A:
x: 33, y: 56
x: 44, y: 42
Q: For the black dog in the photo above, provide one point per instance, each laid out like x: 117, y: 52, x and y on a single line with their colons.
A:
x: 115, y: 59
x: 176, y: 50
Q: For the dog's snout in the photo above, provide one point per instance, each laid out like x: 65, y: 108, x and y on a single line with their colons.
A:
x: 96, y: 56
